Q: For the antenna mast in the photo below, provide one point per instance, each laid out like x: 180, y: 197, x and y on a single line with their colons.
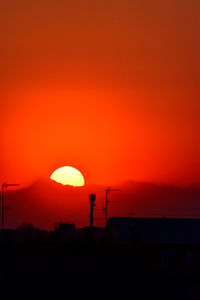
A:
x: 108, y: 190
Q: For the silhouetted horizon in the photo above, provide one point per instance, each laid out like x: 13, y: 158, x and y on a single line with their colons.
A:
x: 46, y: 201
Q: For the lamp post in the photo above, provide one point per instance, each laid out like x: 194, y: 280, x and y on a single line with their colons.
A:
x: 4, y: 185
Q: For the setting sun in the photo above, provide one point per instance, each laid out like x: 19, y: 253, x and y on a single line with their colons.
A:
x: 68, y: 176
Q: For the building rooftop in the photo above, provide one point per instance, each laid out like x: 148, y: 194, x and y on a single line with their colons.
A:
x: 155, y: 230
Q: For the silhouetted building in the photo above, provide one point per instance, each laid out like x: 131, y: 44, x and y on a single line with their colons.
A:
x: 67, y: 232
x: 28, y: 233
x: 97, y: 233
x: 171, y: 243
x: 25, y: 233
x: 63, y: 232
x: 7, y: 235
x: 82, y: 235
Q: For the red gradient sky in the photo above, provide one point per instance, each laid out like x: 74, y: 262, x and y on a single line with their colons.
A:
x: 109, y: 87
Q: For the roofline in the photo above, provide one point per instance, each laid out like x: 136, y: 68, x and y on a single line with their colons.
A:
x: 150, y: 218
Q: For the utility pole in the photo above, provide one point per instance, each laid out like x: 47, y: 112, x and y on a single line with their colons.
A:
x: 108, y: 190
x: 4, y: 185
x: 92, y: 198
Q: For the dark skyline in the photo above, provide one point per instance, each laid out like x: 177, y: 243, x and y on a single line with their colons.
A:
x: 47, y: 202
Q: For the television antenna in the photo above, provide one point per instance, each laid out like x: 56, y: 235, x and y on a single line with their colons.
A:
x: 107, y: 201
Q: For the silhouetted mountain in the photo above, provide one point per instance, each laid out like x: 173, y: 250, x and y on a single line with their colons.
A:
x: 46, y: 202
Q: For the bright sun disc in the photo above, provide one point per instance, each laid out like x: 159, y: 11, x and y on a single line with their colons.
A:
x: 68, y: 176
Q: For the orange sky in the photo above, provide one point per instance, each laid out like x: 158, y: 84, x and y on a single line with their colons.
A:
x: 109, y: 87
